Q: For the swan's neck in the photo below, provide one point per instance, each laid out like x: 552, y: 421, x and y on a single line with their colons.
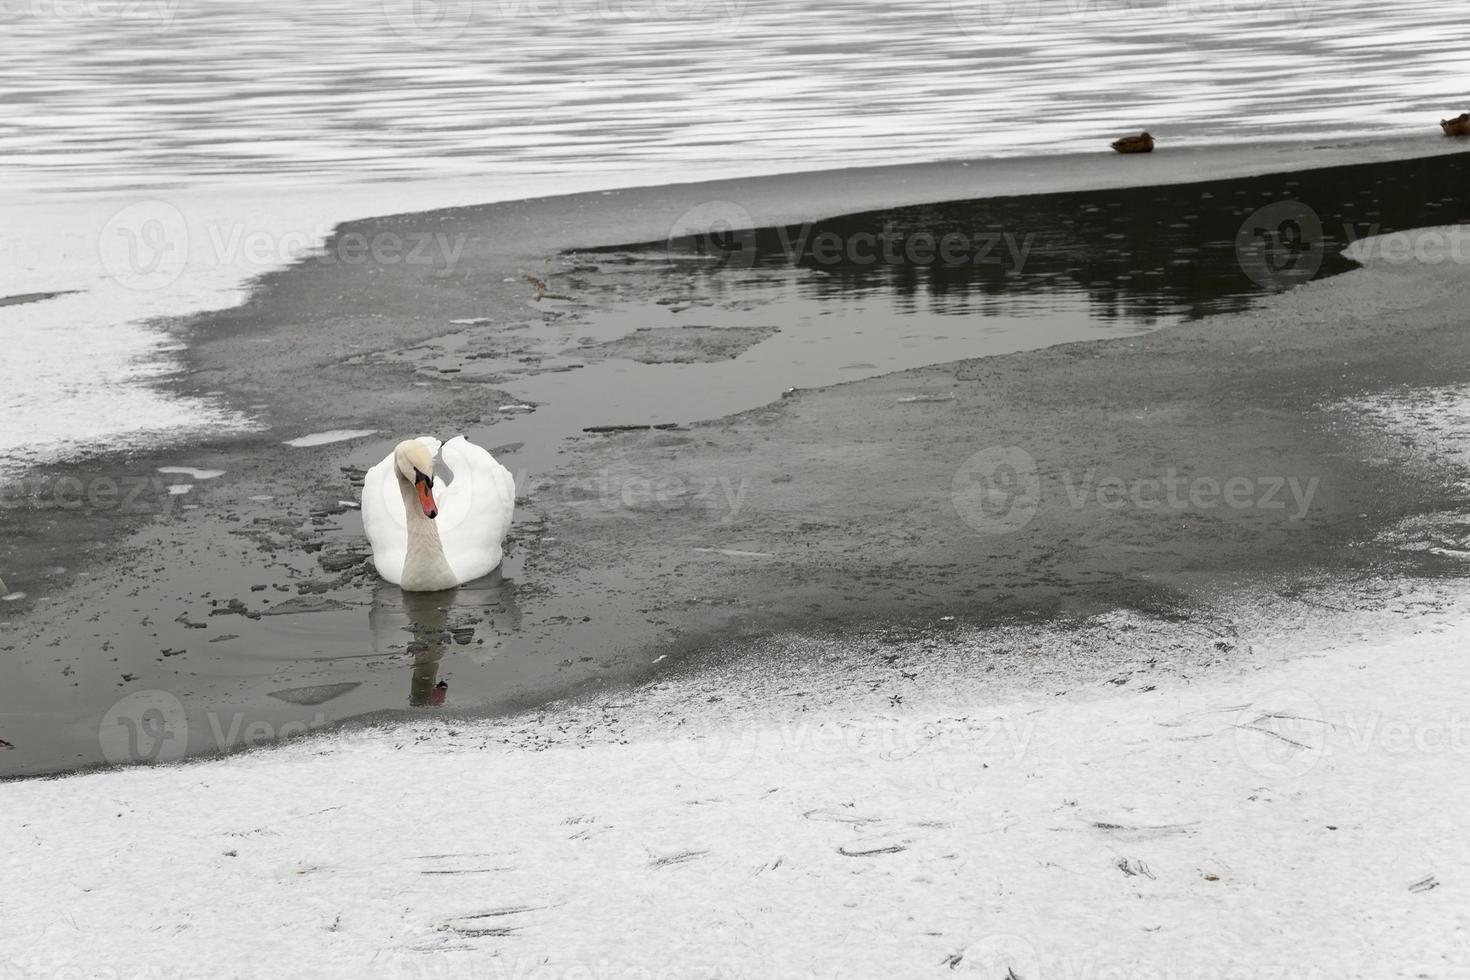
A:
x: 425, y: 569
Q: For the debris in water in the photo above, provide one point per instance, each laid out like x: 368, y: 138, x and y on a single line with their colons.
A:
x: 596, y: 429
x: 235, y: 608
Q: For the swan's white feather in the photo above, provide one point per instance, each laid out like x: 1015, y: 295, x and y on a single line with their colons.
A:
x: 475, y: 511
x: 382, y: 519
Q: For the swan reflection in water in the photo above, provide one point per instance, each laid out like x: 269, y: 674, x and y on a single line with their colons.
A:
x: 429, y: 625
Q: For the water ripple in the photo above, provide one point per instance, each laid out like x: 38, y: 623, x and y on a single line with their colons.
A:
x: 100, y: 92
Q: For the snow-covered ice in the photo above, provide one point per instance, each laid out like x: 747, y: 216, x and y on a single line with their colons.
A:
x: 1275, y: 817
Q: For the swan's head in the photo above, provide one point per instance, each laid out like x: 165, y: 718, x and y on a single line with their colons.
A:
x: 416, y: 468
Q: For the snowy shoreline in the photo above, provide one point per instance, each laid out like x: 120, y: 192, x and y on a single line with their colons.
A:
x: 1285, y: 818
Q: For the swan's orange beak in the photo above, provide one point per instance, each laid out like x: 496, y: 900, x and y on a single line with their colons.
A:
x: 426, y: 496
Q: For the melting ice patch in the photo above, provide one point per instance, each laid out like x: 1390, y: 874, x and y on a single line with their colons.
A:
x: 328, y: 437
x: 192, y: 472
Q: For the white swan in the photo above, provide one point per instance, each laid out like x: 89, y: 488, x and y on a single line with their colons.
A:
x: 435, y: 526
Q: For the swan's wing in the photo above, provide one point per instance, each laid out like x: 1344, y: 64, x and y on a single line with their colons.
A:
x: 475, y: 508
x: 382, y: 519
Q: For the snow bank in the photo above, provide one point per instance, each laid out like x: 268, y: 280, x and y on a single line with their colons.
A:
x: 1300, y: 819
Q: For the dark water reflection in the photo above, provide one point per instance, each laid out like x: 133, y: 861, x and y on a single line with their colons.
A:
x: 424, y: 627
x: 1142, y: 254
